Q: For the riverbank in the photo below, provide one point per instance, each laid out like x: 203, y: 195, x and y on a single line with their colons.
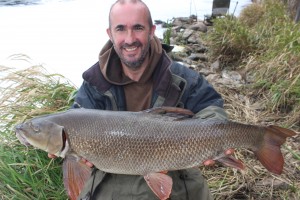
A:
x: 251, y: 93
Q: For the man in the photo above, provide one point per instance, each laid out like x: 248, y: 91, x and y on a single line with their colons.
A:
x: 134, y: 73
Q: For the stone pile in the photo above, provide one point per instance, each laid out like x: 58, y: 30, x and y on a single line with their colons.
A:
x: 189, y: 49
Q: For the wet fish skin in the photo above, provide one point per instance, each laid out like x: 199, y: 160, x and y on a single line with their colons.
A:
x: 138, y: 142
x: 141, y: 143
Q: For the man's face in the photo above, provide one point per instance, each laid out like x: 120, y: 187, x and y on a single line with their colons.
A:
x: 130, y: 33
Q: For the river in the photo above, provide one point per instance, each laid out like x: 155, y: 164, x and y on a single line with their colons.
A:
x: 67, y: 35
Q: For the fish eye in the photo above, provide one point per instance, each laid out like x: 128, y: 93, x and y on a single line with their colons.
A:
x: 36, y: 128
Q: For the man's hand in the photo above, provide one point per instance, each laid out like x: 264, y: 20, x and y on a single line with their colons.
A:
x: 87, y: 163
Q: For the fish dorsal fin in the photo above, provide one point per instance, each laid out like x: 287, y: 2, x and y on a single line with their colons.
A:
x: 160, y: 184
x: 171, y: 112
x: 75, y: 174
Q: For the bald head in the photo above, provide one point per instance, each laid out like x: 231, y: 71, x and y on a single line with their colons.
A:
x: 125, y: 2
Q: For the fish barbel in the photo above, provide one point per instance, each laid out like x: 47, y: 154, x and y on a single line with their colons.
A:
x: 148, y: 142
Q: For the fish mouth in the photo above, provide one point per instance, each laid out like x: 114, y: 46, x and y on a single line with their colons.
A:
x: 20, y: 135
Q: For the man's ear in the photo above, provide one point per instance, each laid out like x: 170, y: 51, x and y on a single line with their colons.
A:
x: 109, y: 33
x: 152, y: 31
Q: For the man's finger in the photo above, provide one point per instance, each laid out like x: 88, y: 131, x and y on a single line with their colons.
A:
x: 89, y: 164
x: 51, y: 155
x: 209, y: 162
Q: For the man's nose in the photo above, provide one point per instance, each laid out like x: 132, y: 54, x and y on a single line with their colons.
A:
x: 130, y: 37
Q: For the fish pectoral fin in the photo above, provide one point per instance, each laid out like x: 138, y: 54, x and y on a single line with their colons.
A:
x: 160, y: 184
x: 231, y: 161
x: 75, y: 174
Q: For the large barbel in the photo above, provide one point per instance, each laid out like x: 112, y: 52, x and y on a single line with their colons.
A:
x: 149, y: 142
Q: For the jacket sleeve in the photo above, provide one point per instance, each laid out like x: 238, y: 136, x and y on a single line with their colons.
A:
x: 205, y: 101
x: 87, y: 97
x: 198, y: 93
x: 212, y: 112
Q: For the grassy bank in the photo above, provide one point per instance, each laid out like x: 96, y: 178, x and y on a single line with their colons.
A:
x: 26, y: 173
x: 263, y: 46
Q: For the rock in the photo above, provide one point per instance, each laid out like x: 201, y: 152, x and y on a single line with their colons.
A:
x: 157, y: 22
x: 213, y: 77
x: 194, y: 39
x: 199, y: 26
x: 186, y: 20
x: 176, y: 29
x: 215, y: 66
x: 197, y: 57
x: 193, y: 17
x: 200, y: 48
x: 204, y: 71
x: 188, y: 61
x: 182, y: 21
x: 173, y: 41
x: 232, y: 75
x: 194, y: 67
x: 178, y: 48
x: 176, y: 57
x: 187, y: 33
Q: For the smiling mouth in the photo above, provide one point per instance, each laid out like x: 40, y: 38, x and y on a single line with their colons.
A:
x: 130, y: 49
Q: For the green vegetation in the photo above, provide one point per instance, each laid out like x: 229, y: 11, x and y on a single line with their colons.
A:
x: 264, y: 43
x: 167, y: 33
x: 26, y: 173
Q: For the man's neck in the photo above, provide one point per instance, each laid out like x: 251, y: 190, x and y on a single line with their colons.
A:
x: 136, y: 74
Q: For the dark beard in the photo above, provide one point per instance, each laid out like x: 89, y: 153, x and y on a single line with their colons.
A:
x: 134, y: 65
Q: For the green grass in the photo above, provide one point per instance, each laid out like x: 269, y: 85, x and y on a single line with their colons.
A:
x: 26, y: 173
x: 263, y: 42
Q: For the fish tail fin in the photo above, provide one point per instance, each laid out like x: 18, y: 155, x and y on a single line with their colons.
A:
x: 269, y: 153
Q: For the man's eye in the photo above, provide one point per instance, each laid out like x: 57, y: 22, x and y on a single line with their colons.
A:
x: 119, y: 28
x: 139, y: 28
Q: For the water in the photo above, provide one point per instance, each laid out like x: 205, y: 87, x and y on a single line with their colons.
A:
x: 67, y: 35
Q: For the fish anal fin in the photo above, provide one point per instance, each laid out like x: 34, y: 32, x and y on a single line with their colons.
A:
x: 231, y: 161
x: 269, y: 153
x: 75, y: 174
x: 160, y: 184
